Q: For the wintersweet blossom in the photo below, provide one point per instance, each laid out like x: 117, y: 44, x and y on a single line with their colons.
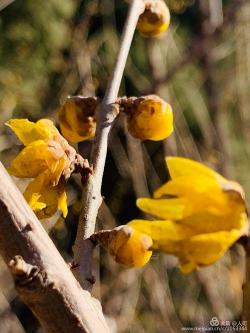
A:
x: 48, y: 159
x: 200, y: 214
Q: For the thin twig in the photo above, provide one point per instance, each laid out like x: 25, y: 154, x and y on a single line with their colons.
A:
x: 5, y: 3
x: 91, y: 197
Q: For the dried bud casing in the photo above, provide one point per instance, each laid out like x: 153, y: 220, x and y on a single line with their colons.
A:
x: 126, y: 245
x: 155, y: 19
x: 77, y: 118
x: 150, y: 118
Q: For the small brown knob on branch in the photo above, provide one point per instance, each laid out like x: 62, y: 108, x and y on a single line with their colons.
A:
x: 22, y: 272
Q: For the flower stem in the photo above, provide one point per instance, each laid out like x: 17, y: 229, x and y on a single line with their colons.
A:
x: 91, y: 196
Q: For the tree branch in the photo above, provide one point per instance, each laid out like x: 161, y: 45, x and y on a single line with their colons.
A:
x: 42, y: 278
x: 91, y: 196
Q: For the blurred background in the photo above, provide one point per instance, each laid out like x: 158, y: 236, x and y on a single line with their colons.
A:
x: 55, y: 48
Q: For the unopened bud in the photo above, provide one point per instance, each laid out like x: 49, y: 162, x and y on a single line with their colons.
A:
x: 151, y: 118
x: 127, y: 246
x: 155, y: 19
x: 77, y: 118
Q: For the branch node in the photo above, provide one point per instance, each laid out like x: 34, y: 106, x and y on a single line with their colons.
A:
x: 91, y: 280
x: 22, y: 272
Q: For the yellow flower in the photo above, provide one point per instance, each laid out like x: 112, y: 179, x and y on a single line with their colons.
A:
x: 44, y: 149
x: 77, y: 118
x: 45, y: 199
x: 201, y: 214
x: 155, y: 19
x: 151, y: 119
x: 46, y: 157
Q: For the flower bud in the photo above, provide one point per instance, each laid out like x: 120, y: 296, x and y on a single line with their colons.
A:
x: 155, y: 19
x: 77, y: 118
x: 152, y: 119
x: 127, y: 246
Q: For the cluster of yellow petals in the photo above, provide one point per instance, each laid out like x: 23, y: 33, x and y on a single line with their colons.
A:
x: 45, y: 159
x: 200, y: 214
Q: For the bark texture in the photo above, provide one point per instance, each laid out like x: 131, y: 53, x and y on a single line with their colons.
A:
x: 42, y: 278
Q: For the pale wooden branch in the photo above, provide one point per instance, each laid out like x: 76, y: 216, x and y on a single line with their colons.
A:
x: 43, y: 280
x: 91, y: 197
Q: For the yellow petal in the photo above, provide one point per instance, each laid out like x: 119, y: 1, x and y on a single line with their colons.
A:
x: 35, y: 204
x: 49, y: 198
x: 34, y: 194
x: 192, y: 248
x: 28, y: 131
x: 167, y: 236
x: 77, y: 123
x: 167, y: 209
x: 188, y: 186
x: 205, y: 222
x: 35, y: 159
x: 62, y: 203
x: 188, y: 267
x: 31, y: 161
x: 179, y: 167
x: 70, y: 134
x: 57, y: 169
x: 206, y: 249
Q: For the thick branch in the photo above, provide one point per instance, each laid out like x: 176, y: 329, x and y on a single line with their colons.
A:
x: 91, y: 198
x: 43, y: 280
